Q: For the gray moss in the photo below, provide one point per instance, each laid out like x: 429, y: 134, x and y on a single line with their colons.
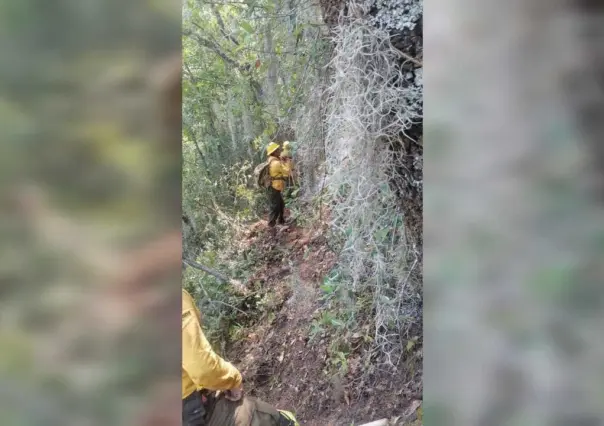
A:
x: 395, y: 15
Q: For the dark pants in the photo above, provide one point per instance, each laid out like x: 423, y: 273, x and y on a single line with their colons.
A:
x: 246, y: 412
x: 276, y: 207
x: 195, y: 409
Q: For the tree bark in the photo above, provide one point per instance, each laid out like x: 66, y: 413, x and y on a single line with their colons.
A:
x: 273, y: 70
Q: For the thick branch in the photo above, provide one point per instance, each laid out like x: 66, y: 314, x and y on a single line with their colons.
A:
x: 210, y: 271
x: 222, y: 27
x: 214, y: 47
x: 237, y: 285
x: 409, y: 57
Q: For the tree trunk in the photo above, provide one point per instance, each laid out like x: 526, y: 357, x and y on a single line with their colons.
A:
x: 273, y: 69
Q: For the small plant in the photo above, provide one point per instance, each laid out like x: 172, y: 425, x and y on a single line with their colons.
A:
x: 315, y: 330
x: 411, y: 343
x: 340, y: 362
x: 330, y: 285
x: 327, y: 319
x: 236, y: 332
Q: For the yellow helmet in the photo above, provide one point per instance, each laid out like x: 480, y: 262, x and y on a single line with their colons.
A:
x: 272, y: 147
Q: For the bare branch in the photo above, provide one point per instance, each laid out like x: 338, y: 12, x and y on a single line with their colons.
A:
x: 204, y: 268
x: 213, y: 46
x: 222, y: 27
x: 237, y: 285
x: 409, y: 57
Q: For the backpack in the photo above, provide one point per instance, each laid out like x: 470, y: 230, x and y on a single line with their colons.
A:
x: 261, y: 172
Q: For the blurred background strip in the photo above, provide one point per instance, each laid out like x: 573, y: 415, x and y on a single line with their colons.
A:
x: 90, y: 181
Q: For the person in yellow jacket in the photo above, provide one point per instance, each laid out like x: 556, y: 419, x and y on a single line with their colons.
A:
x: 204, y: 373
x: 279, y: 171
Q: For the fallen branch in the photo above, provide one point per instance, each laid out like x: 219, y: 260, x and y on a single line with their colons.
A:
x: 407, y: 416
x: 383, y: 422
x: 210, y: 271
x: 237, y: 285
x: 409, y: 57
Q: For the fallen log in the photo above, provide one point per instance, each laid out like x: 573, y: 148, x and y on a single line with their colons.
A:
x: 382, y: 422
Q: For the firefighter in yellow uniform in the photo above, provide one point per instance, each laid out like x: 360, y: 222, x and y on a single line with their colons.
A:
x: 204, y: 373
x: 279, y: 171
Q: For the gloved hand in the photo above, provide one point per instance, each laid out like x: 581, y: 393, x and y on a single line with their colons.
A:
x: 286, y: 152
x: 234, y: 394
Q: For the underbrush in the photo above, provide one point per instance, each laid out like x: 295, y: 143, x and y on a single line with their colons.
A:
x: 343, y: 321
x: 345, y: 324
x: 301, y: 318
x: 370, y: 104
x: 225, y: 310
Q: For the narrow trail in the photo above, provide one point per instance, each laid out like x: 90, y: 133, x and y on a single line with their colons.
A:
x: 279, y: 361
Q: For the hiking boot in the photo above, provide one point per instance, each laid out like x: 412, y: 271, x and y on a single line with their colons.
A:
x: 287, y: 419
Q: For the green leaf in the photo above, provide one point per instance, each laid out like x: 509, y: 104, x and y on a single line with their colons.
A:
x: 328, y: 289
x: 410, y: 345
x: 381, y: 235
x: 247, y: 27
x: 337, y: 323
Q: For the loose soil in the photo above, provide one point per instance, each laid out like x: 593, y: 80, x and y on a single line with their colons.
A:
x: 283, y: 366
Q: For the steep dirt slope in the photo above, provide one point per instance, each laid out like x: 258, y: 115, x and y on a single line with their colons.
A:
x: 280, y: 361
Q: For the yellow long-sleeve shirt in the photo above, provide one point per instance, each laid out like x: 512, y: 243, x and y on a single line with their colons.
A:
x: 279, y: 171
x: 202, y: 368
